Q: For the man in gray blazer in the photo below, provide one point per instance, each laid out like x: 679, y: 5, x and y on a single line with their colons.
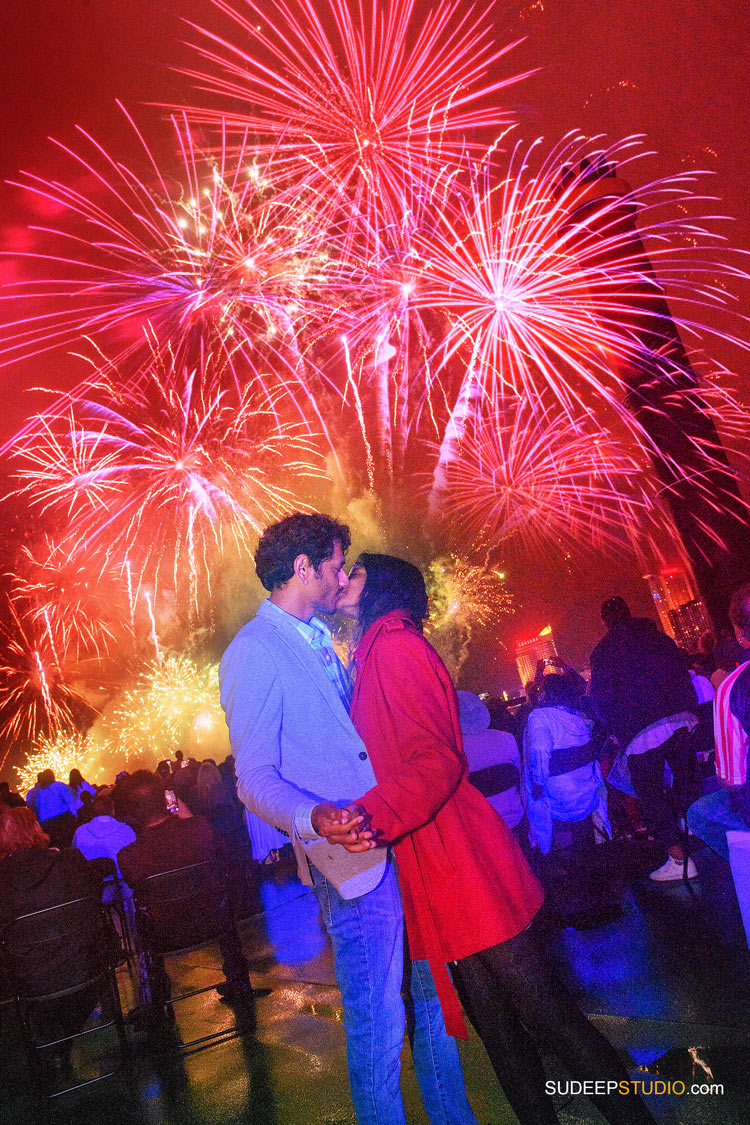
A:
x: 299, y: 761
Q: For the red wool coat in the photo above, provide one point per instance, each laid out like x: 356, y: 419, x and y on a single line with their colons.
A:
x: 464, y: 881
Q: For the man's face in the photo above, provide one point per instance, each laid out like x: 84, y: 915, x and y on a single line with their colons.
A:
x: 328, y: 581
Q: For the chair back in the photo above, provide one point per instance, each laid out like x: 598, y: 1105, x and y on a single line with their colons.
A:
x: 569, y: 758
x: 493, y: 780
x: 183, y: 908
x: 58, y: 949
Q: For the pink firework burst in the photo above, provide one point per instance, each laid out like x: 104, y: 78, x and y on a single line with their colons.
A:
x: 550, y: 296
x: 537, y: 479
x: 167, y: 473
x: 353, y: 97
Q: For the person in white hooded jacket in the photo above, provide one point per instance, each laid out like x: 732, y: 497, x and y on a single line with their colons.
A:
x: 563, y: 790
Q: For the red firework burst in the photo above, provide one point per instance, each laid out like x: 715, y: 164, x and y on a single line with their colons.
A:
x: 36, y: 699
x: 166, y: 473
x: 536, y: 479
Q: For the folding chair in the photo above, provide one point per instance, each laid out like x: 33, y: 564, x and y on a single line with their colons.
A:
x: 45, y: 946
x: 178, y: 911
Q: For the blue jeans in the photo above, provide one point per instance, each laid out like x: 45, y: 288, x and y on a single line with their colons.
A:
x: 367, y: 934
x: 710, y: 817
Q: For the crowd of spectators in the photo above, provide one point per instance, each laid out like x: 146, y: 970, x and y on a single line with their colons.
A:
x: 656, y: 744
x: 74, y: 840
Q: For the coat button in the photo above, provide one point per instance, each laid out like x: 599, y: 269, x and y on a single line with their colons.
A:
x: 362, y: 755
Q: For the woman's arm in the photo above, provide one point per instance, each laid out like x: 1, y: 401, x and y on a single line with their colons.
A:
x: 430, y: 762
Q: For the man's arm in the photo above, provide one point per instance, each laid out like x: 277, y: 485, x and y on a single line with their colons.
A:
x: 252, y: 697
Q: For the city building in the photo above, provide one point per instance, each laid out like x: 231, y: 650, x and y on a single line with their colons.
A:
x: 683, y: 616
x: 530, y: 652
x: 689, y: 623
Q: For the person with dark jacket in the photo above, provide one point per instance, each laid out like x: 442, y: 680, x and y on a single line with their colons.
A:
x: 164, y: 842
x: 642, y: 693
x: 33, y: 877
x: 55, y: 806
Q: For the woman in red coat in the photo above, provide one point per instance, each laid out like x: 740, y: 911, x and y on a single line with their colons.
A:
x: 469, y: 895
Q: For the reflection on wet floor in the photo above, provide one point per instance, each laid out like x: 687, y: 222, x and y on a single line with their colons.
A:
x: 668, y: 983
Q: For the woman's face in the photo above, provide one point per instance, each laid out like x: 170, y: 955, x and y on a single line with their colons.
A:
x: 348, y: 599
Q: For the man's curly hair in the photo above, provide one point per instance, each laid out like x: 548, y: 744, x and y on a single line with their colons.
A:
x: 299, y: 534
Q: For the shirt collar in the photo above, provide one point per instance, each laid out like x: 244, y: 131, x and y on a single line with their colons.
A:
x: 311, y: 630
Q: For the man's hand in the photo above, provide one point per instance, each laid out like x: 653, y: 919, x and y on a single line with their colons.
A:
x: 342, y: 826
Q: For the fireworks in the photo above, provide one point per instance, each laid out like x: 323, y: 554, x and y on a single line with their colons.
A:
x: 200, y: 260
x: 341, y: 263
x: 357, y: 98
x: 541, y: 482
x: 463, y: 597
x: 166, y: 475
x: 461, y: 590
x: 60, y: 754
x: 66, y: 599
x: 174, y: 704
x: 36, y: 701
x: 549, y: 294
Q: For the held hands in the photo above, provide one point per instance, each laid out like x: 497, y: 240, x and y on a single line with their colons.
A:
x: 348, y: 827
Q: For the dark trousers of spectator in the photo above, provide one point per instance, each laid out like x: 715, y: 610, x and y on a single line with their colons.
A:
x: 234, y: 966
x: 517, y: 1004
x: 647, y: 775
x: 570, y: 871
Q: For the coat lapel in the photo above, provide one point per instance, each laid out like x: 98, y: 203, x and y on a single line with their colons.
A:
x: 307, y: 658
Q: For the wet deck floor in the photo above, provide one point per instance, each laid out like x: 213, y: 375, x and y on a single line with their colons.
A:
x: 670, y: 975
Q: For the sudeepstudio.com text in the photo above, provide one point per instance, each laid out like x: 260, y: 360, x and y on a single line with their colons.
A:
x: 600, y: 1086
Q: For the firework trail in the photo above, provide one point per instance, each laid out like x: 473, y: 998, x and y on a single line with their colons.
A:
x: 540, y: 481
x: 353, y: 97
x: 166, y: 475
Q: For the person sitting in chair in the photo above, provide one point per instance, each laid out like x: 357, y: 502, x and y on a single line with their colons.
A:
x: 165, y: 842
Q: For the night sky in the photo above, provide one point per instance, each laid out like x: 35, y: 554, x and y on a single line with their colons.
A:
x: 675, y: 71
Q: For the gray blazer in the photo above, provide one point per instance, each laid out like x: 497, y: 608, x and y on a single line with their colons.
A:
x: 293, y: 741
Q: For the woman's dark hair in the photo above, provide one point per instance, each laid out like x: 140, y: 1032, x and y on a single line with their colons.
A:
x: 280, y: 544
x: 75, y: 779
x: 739, y: 608
x: 558, y: 692
x: 391, y: 584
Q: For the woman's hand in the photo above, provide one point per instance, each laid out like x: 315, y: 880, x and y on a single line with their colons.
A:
x: 343, y: 826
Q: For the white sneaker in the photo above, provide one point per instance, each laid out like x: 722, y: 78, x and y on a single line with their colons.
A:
x: 672, y: 870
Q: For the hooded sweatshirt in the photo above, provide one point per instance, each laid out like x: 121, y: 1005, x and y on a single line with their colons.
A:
x: 103, y: 837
